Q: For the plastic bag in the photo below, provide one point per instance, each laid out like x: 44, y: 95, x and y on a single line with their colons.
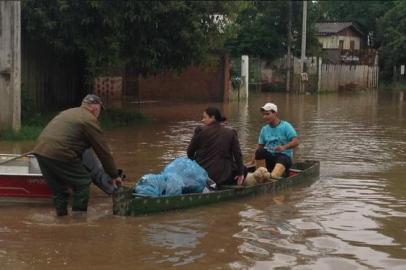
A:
x: 186, y: 171
x: 153, y: 185
x: 181, y: 176
x: 174, y: 185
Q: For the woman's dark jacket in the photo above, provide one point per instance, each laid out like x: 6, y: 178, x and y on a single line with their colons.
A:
x: 216, y: 148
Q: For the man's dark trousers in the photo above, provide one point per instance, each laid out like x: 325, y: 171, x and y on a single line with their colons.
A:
x: 272, y: 159
x: 63, y: 175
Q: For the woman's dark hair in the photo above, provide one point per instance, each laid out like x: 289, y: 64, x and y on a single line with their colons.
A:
x: 213, y: 111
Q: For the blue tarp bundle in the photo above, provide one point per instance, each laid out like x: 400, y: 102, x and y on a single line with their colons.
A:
x: 151, y: 185
x: 182, y: 175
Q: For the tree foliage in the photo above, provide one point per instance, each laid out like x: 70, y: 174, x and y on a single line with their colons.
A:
x: 263, y: 30
x: 156, y: 36
x: 149, y: 36
x: 366, y: 13
x: 384, y: 21
x: 393, y: 30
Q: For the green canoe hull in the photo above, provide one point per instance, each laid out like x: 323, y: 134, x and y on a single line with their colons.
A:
x: 126, y: 204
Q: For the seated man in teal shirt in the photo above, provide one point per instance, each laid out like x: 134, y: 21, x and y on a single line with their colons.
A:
x: 276, y: 142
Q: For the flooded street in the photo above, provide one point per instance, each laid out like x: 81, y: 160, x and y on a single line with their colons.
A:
x: 352, y: 217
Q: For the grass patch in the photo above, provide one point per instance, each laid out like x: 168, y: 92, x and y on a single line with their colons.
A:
x: 31, y: 127
x: 25, y: 133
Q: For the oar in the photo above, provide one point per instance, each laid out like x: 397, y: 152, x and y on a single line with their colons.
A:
x: 14, y: 158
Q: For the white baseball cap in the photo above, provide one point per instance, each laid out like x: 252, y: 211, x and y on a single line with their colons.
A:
x: 270, y: 107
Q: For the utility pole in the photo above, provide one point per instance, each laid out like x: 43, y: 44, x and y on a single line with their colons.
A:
x: 10, y: 64
x: 303, y: 51
x: 288, y: 67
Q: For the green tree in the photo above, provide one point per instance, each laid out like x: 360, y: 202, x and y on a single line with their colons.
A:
x: 149, y: 36
x: 393, y: 31
x: 366, y: 13
x: 383, y: 21
x: 262, y: 30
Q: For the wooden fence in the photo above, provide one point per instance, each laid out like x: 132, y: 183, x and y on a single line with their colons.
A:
x: 348, y: 77
x: 51, y: 80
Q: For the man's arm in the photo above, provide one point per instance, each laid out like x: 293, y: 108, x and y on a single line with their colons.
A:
x: 94, y: 136
x: 99, y: 177
x: 292, y: 144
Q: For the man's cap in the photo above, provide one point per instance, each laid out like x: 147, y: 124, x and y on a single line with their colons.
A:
x: 92, y: 99
x: 269, y: 107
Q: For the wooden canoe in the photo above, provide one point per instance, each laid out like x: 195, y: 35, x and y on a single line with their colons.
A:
x: 21, y: 178
x: 125, y: 203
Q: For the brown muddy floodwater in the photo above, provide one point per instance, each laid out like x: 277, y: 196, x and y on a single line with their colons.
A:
x: 352, y: 217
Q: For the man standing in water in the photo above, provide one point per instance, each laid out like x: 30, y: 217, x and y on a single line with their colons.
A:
x: 276, y: 142
x: 59, y: 152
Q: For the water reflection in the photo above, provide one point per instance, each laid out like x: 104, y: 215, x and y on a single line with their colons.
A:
x: 351, y: 218
x: 179, y: 240
x: 343, y: 228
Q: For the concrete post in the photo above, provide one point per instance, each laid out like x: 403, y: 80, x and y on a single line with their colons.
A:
x: 288, y: 61
x: 319, y: 74
x: 244, y: 76
x: 227, y: 77
x: 303, y: 49
x: 10, y: 64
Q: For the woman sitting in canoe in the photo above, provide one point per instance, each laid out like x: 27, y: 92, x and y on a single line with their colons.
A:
x: 216, y: 148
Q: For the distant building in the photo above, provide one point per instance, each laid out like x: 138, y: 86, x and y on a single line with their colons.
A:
x: 343, y: 42
x: 340, y: 35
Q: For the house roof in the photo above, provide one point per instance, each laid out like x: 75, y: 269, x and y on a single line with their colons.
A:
x: 330, y: 28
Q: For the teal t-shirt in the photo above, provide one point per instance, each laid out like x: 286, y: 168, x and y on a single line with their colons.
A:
x: 272, y: 137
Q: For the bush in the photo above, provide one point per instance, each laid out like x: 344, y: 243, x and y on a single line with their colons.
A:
x: 32, y: 124
x: 27, y: 105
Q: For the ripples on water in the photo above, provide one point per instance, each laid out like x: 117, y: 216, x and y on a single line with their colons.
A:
x: 183, y: 236
x: 352, y: 217
x: 342, y: 228
x: 342, y: 220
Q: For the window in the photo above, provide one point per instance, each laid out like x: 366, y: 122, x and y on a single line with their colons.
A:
x: 352, y: 45
x: 341, y: 44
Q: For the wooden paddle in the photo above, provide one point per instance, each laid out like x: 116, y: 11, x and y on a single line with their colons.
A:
x: 14, y: 158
